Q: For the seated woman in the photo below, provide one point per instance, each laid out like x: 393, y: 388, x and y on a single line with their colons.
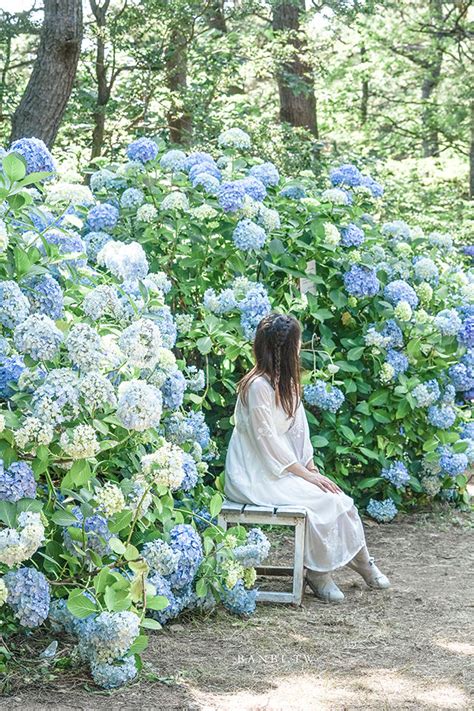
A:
x: 270, y: 461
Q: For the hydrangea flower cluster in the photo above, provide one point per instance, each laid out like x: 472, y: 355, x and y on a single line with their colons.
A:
x: 324, y: 396
x: 382, y: 511
x: 397, y: 474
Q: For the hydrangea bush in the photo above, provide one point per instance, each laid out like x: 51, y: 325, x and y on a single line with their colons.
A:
x: 107, y: 519
x: 387, y: 311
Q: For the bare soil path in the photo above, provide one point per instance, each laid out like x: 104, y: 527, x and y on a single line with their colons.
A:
x: 408, y: 648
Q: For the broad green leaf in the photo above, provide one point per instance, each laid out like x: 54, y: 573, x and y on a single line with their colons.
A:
x: 80, y: 605
x: 14, y: 166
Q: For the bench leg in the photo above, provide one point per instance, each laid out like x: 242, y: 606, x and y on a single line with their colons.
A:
x: 298, y: 565
x: 222, y: 522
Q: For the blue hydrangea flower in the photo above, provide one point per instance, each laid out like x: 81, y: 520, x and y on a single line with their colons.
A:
x: 41, y: 218
x: 352, y: 236
x: 112, y: 676
x: 324, y: 396
x: 36, y: 155
x: 346, y: 175
x: 67, y: 243
x: 449, y: 395
x: 185, y: 539
x: 398, y: 231
x: 399, y: 290
x: 94, y: 241
x: 39, y: 337
x: 207, y: 167
x: 337, y: 196
x: 255, y: 188
x: 163, y: 318
x: 102, y: 217
x: 375, y: 188
x: 248, y: 235
x: 392, y: 331
x: 397, y: 474
x: 255, y: 549
x: 452, y: 463
x: 96, y: 532
x: 176, y: 602
x: 441, y: 416
x: 45, y: 295
x: 447, y: 322
x: 293, y: 192
x: 226, y: 302
x: 361, y: 281
x: 160, y: 556
x: 382, y: 511
x: 238, y: 600
x: 143, y: 150
x: 231, y: 195
x: 462, y: 376
x: 173, y: 160
x: 208, y: 182
x: 467, y: 430
x: 466, y: 333
x: 132, y: 198
x: 17, y: 482
x: 253, y: 307
x: 11, y: 368
x: 14, y: 306
x: 267, y: 173
x: 398, y: 361
x: 191, y: 475
x: 28, y: 596
x: 425, y: 394
x: 173, y: 390
x: 199, y: 428
x: 197, y: 157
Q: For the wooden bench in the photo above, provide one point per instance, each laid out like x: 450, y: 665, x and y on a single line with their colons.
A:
x: 232, y: 513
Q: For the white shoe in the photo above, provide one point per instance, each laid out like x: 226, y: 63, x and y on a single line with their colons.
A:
x: 324, y: 587
x: 371, y: 574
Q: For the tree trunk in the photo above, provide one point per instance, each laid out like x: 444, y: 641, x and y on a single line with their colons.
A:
x: 429, y: 108
x: 44, y: 101
x: 178, y: 115
x: 215, y: 16
x: 364, y: 100
x: 294, y: 75
x: 471, y: 155
x: 103, y: 86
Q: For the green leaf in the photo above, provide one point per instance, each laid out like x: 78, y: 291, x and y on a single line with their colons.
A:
x: 319, y: 441
x: 201, y: 588
x: 80, y: 605
x: 117, y: 546
x: 120, y: 520
x: 355, y: 353
x: 63, y: 517
x: 150, y: 624
x: 131, y: 553
x: 117, y: 600
x: 14, y: 166
x: 204, y: 345
x: 215, y: 504
x: 157, y: 602
x: 140, y: 644
x: 8, y: 513
x: 78, y: 475
x: 368, y: 482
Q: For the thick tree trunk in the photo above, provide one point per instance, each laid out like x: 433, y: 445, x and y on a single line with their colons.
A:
x: 104, y: 87
x: 215, y: 16
x: 364, y: 99
x: 178, y: 115
x: 44, y: 101
x: 294, y: 76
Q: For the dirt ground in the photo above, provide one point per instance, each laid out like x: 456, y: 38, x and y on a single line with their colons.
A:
x: 411, y: 647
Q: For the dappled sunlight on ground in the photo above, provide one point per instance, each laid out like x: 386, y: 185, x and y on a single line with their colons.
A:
x: 381, y: 688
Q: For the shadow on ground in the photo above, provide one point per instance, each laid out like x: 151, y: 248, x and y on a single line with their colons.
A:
x: 411, y: 647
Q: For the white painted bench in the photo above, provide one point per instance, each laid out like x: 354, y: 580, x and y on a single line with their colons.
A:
x: 233, y: 512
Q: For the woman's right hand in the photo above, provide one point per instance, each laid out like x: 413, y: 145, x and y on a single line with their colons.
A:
x: 324, y: 483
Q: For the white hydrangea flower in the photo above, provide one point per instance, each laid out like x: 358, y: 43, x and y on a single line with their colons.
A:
x: 234, y: 572
x: 97, y: 391
x: 403, y: 310
x: 250, y: 208
x: 110, y: 499
x: 175, y: 201
x: 83, y: 345
x: 164, y: 466
x: 204, y: 212
x: 331, y: 234
x: 80, y: 442
x: 68, y: 193
x: 387, y: 373
x: 234, y: 138
x: 102, y: 301
x: 33, y: 431
x: 164, y: 367
x: 147, y: 213
x: 3, y: 592
x: 19, y: 544
x: 140, y: 343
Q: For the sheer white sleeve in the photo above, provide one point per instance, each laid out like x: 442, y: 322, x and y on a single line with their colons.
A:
x: 299, y: 435
x: 278, y: 455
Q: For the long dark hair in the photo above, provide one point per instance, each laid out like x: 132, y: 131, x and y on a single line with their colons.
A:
x: 276, y: 352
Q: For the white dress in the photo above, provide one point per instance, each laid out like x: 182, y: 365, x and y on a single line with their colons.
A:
x: 263, y: 444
